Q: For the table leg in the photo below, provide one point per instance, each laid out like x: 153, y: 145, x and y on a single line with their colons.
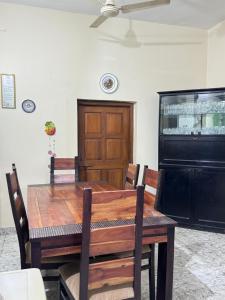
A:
x: 165, y: 268
x: 35, y: 254
x: 152, y: 273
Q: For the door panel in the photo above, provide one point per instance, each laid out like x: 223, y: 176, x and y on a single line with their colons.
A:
x: 114, y: 124
x: 93, y: 175
x: 208, y: 187
x: 113, y: 149
x: 115, y: 176
x: 93, y: 149
x: 176, y: 195
x: 105, y: 140
x: 93, y: 124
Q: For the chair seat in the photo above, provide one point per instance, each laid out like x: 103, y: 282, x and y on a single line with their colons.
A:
x: 71, y: 276
x: 54, y: 260
x: 64, y: 178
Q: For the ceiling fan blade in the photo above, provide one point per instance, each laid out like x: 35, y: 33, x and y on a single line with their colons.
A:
x: 143, y: 5
x: 98, y: 21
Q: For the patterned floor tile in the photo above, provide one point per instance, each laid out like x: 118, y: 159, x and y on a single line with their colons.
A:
x: 199, y: 265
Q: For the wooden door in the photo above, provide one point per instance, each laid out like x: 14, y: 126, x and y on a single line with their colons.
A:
x: 105, y: 138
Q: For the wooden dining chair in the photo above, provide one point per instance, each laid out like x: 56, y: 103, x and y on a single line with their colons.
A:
x: 59, y: 165
x: 153, y: 182
x: 107, y: 278
x: 132, y: 173
x: 52, y: 261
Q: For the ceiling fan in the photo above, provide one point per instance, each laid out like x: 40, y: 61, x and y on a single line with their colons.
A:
x: 110, y: 9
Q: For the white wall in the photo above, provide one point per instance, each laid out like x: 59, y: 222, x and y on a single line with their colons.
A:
x: 57, y: 58
x: 216, y: 57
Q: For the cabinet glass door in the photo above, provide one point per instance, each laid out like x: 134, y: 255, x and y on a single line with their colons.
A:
x: 193, y: 113
x: 178, y: 115
x: 212, y: 110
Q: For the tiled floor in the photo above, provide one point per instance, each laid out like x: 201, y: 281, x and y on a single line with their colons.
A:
x: 199, y: 264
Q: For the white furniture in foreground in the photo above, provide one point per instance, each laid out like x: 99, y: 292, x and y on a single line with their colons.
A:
x: 24, y: 284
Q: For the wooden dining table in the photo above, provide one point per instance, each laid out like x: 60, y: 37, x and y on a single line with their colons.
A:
x: 55, y: 225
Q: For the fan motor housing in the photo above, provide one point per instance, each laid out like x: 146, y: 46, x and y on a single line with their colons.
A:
x: 109, y: 11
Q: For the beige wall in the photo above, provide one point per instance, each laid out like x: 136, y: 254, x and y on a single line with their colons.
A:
x: 216, y: 57
x: 57, y: 59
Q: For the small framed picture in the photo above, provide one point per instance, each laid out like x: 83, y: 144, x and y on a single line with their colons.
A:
x: 8, y: 91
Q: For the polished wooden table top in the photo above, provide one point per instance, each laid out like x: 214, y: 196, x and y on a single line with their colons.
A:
x: 61, y: 205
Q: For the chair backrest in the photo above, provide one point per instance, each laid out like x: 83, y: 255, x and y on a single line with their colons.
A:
x: 131, y: 179
x: 19, y: 213
x: 110, y: 238
x: 154, y: 179
x: 62, y: 164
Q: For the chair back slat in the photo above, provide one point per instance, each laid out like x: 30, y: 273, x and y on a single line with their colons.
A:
x: 151, y: 177
x: 154, y: 179
x: 109, y: 240
x: 112, y: 196
x: 131, y: 179
x: 63, y: 164
x: 112, y: 240
x: 19, y: 213
x: 113, y: 272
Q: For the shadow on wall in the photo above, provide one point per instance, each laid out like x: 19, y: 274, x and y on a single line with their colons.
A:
x: 132, y: 40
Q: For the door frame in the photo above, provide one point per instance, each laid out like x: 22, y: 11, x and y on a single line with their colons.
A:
x: 130, y: 105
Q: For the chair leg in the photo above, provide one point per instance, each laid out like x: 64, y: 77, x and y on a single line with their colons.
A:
x: 152, y: 273
x: 61, y: 289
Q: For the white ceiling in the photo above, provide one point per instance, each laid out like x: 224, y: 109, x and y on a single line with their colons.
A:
x: 194, y: 13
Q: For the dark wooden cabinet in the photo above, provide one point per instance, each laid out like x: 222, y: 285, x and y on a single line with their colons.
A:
x: 177, y: 189
x: 208, y: 196
x: 192, y: 152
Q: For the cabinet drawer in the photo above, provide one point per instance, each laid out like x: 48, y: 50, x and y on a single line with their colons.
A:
x: 192, y: 150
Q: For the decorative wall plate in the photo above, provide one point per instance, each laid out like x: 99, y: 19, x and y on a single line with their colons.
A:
x: 109, y: 83
x: 28, y: 106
